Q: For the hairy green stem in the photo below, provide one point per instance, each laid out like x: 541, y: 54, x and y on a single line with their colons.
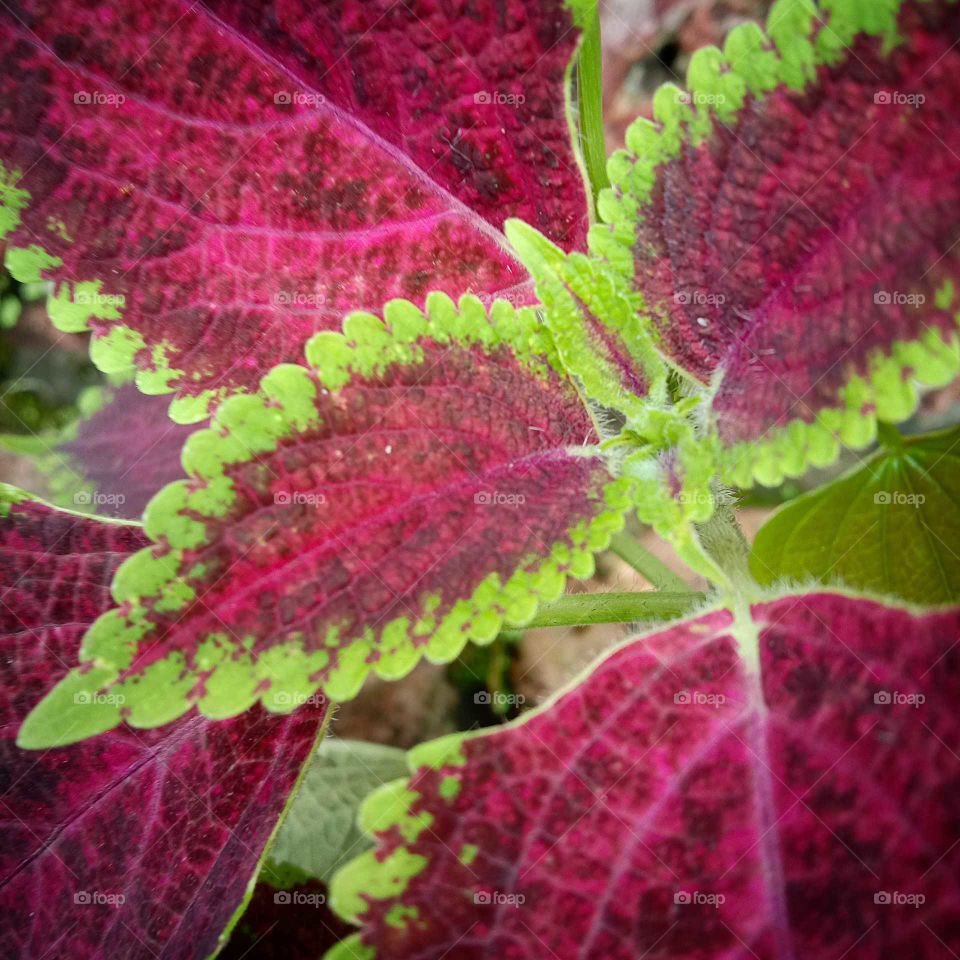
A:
x: 724, y: 543
x: 590, y: 105
x: 646, y: 564
x: 579, y: 609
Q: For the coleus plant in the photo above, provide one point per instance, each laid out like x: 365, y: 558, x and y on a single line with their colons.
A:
x: 534, y: 351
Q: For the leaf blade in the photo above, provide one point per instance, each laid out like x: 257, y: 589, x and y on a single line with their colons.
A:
x: 425, y: 484
x: 319, y: 832
x: 654, y: 806
x: 885, y: 527
x: 134, y: 162
x: 90, y: 832
x: 779, y: 261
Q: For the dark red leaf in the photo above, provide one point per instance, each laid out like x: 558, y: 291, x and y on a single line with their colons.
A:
x: 781, y: 787
x: 416, y: 487
x: 220, y: 180
x: 803, y: 218
x: 138, y: 844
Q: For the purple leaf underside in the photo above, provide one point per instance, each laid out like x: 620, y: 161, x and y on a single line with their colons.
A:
x: 124, y: 452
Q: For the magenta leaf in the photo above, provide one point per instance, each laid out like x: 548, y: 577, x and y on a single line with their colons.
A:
x: 212, y: 182
x: 782, y: 784
x: 791, y: 224
x: 138, y: 844
x: 414, y: 487
x: 121, y: 450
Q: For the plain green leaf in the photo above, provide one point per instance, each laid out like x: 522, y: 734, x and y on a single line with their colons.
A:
x: 891, y: 526
x: 320, y: 830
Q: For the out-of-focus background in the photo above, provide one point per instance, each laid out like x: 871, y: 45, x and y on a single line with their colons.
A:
x: 649, y: 42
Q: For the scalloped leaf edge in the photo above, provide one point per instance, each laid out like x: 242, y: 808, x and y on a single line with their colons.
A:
x: 754, y: 61
x: 887, y: 394
x: 72, y: 306
x: 568, y: 283
x: 284, y: 676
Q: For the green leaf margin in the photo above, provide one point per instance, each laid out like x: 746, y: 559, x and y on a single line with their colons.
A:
x: 753, y: 63
x: 250, y: 424
x: 384, y: 874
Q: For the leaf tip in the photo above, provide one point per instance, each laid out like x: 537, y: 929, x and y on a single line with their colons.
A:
x: 75, y: 709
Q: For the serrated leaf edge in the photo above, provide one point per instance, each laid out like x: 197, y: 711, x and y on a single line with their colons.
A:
x: 800, y: 36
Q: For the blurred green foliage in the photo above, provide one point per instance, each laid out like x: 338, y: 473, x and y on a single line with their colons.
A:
x: 39, y: 380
